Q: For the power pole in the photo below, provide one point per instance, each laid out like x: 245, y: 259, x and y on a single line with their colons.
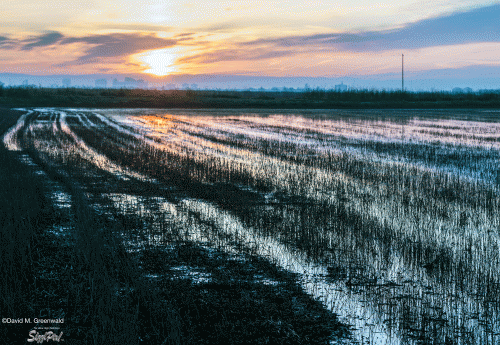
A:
x: 402, y: 72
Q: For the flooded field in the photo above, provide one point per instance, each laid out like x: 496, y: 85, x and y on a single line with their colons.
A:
x: 389, y: 218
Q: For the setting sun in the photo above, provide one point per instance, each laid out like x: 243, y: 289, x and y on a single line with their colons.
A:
x: 236, y: 171
x: 160, y: 62
x: 242, y: 44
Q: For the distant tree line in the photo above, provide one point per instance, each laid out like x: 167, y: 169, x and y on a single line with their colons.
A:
x: 311, y: 98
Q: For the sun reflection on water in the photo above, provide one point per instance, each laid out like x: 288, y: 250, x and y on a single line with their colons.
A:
x: 390, y: 224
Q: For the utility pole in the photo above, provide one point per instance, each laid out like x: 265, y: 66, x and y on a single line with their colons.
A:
x: 402, y: 72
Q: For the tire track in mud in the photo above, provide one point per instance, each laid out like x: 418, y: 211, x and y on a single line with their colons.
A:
x: 391, y: 212
x: 55, y: 262
x: 383, y: 215
x: 186, y: 212
x: 31, y: 215
x: 75, y: 139
x: 101, y: 161
x: 206, y: 223
x: 402, y: 219
x: 361, y: 139
x: 176, y: 141
x: 12, y: 141
x: 354, y: 188
x: 390, y: 216
x: 98, y: 264
x: 10, y: 137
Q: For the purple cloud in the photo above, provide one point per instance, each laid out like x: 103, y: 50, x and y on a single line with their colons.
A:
x: 6, y: 43
x: 478, y: 25
x: 235, y: 55
x: 100, y: 46
x: 116, y: 45
x: 42, y: 41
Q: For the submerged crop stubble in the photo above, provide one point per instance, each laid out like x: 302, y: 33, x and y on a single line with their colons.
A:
x: 390, y: 219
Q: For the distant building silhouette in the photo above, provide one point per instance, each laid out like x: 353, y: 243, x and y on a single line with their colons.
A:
x: 130, y: 83
x: 186, y: 86
x: 460, y: 90
x: 341, y: 87
x: 101, y: 83
x: 169, y: 86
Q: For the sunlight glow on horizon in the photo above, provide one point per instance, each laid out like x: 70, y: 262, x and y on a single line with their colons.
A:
x: 160, y: 62
x: 330, y: 39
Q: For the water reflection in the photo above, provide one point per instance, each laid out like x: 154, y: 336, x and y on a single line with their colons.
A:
x: 392, y: 224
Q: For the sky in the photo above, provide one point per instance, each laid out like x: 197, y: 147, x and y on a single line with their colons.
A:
x: 161, y: 39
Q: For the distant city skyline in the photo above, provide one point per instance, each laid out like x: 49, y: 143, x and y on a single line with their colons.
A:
x: 445, y: 79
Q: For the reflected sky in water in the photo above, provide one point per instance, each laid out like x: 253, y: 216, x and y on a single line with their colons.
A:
x: 391, y: 222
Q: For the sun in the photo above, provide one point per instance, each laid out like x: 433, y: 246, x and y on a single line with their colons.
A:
x: 160, y: 62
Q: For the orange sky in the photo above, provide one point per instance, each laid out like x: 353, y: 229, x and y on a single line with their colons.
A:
x: 275, y: 38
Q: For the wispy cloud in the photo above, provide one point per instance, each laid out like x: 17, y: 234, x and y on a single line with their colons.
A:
x: 141, y: 27
x: 475, y: 26
x: 478, y: 25
x: 95, y: 47
x: 224, y: 27
x: 234, y: 55
x: 41, y: 41
x: 116, y: 45
x: 185, y: 35
x: 210, y: 46
x: 6, y: 43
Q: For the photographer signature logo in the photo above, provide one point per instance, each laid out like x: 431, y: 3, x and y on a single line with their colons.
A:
x: 34, y: 336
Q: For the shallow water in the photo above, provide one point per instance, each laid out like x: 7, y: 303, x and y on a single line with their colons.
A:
x: 389, y: 219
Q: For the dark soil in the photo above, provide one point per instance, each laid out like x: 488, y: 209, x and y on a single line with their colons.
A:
x: 108, y: 295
